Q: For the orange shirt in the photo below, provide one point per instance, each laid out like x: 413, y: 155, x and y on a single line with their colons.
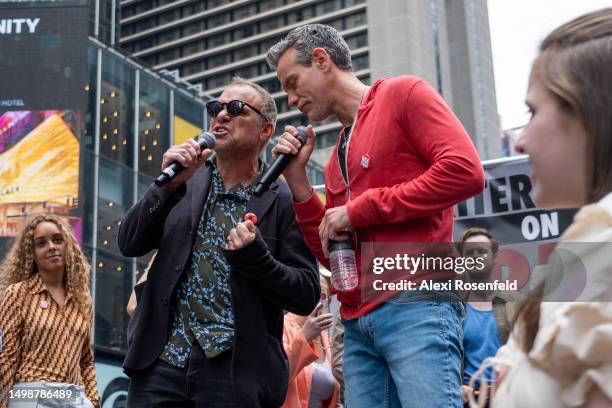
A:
x: 43, y: 341
x: 300, y: 354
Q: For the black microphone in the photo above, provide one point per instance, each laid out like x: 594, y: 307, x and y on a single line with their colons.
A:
x: 206, y: 141
x: 277, y: 167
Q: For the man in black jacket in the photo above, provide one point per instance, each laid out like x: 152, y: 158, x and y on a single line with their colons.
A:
x: 207, y: 331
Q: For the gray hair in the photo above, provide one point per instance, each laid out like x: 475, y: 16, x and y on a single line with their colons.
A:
x: 268, y: 108
x: 308, y: 37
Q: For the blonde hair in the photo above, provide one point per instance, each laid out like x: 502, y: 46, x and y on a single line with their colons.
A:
x: 19, y: 264
x: 575, y: 65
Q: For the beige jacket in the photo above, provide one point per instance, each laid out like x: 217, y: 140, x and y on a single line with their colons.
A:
x: 571, y: 355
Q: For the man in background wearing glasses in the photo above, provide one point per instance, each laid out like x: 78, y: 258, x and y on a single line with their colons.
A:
x: 207, y: 330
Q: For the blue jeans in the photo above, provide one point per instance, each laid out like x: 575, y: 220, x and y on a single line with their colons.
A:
x: 405, y: 353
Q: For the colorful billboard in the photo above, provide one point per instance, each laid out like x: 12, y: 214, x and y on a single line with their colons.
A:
x: 43, y: 76
x: 39, y: 166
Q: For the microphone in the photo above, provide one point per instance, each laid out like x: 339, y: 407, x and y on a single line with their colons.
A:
x: 277, y: 167
x: 206, y: 141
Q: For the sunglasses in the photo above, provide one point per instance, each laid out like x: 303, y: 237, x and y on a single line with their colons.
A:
x: 234, y: 108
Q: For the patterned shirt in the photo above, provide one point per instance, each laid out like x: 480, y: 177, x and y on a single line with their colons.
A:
x: 43, y: 341
x: 202, y: 306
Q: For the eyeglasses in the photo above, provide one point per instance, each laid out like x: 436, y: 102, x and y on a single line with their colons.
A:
x: 234, y: 108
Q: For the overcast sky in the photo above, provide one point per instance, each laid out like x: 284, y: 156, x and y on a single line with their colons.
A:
x: 517, y: 28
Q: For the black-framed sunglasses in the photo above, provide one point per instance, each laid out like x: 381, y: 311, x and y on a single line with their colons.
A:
x: 234, y: 108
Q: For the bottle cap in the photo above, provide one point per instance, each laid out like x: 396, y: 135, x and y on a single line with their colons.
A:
x: 337, y: 245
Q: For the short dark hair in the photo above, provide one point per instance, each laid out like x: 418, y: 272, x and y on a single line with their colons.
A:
x: 473, y: 231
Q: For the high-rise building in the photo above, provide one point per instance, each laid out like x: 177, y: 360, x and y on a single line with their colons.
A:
x: 444, y: 41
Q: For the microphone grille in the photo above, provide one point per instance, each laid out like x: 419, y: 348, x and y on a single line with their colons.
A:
x: 207, y: 140
x: 302, y: 134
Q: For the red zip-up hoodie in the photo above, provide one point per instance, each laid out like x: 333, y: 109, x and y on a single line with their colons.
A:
x: 409, y: 161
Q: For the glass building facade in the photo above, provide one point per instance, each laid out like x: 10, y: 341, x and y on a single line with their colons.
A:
x: 133, y: 116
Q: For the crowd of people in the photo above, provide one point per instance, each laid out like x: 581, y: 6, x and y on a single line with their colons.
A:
x: 233, y: 312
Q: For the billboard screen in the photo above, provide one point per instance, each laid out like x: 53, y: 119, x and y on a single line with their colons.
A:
x: 44, y: 55
x: 43, y: 75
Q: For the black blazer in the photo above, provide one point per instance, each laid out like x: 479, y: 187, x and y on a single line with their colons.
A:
x: 274, y: 273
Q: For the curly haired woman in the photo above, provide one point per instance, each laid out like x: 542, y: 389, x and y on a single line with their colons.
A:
x: 45, y: 318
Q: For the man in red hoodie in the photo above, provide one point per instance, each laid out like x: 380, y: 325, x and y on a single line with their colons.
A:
x: 402, y: 161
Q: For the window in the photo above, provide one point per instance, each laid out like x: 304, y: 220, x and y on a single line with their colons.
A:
x: 300, y: 15
x: 271, y: 85
x: 244, y: 32
x: 146, y: 24
x: 326, y: 139
x: 218, y: 60
x: 117, y: 111
x: 218, y: 20
x: 266, y: 44
x: 193, y: 28
x: 358, y: 41
x: 338, y: 24
x: 127, y: 30
x: 218, y: 81
x: 188, y: 10
x: 169, y: 55
x: 169, y: 16
x: 266, y: 5
x: 153, y: 125
x: 361, y: 62
x: 356, y: 20
x: 192, y: 68
x: 246, y: 72
x: 169, y: 35
x: 192, y: 48
x: 215, y: 3
x: 245, y: 52
x: 218, y: 40
x: 244, y: 12
x: 146, y: 43
x: 283, y: 105
x: 328, y: 6
x: 272, y: 23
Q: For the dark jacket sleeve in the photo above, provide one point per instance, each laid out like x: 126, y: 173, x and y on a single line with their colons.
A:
x: 142, y: 227
x: 290, y: 282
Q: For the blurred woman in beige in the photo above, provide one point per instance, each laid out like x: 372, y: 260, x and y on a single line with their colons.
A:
x: 46, y: 320
x: 560, y: 354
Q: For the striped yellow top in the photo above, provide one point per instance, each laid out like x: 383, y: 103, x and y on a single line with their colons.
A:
x: 43, y: 341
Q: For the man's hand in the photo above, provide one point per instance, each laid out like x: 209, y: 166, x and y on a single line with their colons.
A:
x: 334, y: 226
x: 241, y: 236
x: 190, y: 156
x: 295, y: 172
x: 316, y: 323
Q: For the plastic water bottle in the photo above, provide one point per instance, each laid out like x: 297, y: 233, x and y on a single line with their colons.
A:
x: 343, y: 265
